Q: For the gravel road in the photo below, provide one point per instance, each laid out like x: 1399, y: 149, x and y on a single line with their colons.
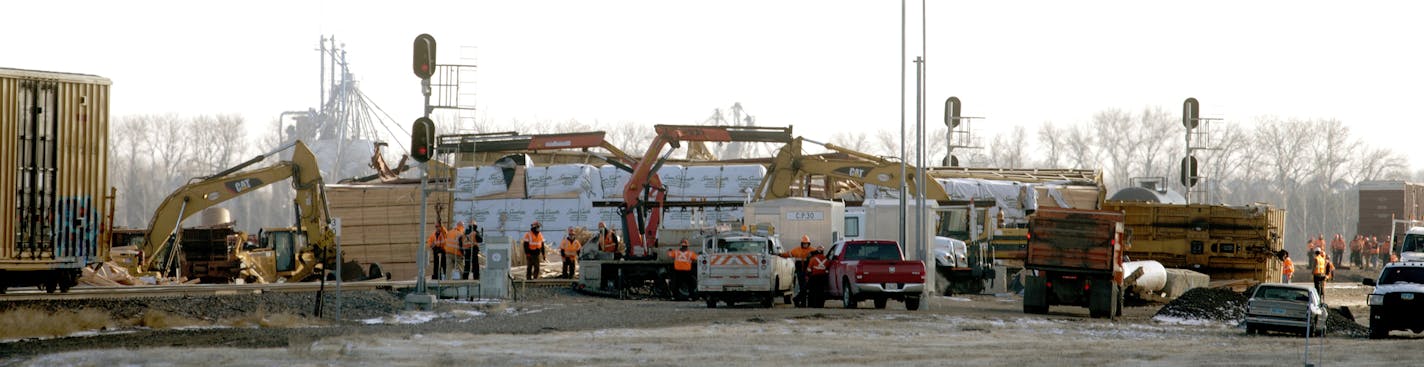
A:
x: 560, y: 327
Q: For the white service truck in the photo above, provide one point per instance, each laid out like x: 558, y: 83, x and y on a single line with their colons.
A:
x: 740, y: 267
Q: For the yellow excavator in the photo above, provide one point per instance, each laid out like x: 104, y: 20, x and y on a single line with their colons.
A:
x: 286, y: 254
x: 791, y: 173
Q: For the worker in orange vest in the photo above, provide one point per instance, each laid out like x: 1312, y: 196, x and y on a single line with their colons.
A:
x: 1337, y: 249
x: 800, y: 254
x: 533, y: 251
x: 470, y: 249
x: 1357, y: 251
x: 450, y: 245
x: 818, y: 279
x: 683, y: 279
x: 436, y: 242
x: 1319, y: 270
x: 1287, y: 267
x: 608, y: 241
x: 570, y: 250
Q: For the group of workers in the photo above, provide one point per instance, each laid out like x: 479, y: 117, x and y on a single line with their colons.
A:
x: 1364, y: 252
x: 462, y: 243
x: 458, y: 246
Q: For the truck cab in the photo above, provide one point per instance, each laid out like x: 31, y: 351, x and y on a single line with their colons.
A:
x: 739, y: 267
x: 1412, y: 247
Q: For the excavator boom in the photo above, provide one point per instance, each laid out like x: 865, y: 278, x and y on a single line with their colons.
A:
x: 208, y: 191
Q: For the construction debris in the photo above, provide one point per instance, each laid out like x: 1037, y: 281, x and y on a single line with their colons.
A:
x: 1212, y: 304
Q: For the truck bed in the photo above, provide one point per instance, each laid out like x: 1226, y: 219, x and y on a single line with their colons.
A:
x: 1077, y: 240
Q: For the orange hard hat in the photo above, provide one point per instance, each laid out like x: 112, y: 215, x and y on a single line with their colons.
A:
x: 805, y: 239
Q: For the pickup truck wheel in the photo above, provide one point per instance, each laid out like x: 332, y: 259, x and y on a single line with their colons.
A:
x: 847, y: 299
x: 1377, y: 332
x: 882, y: 301
x: 769, y: 300
x: 912, y: 303
x: 711, y: 302
x: 1251, y: 329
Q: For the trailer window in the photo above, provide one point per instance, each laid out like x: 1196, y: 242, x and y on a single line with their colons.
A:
x: 852, y: 227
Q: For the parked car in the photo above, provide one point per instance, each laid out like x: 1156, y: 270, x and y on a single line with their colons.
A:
x: 1398, y: 299
x: 1291, y: 308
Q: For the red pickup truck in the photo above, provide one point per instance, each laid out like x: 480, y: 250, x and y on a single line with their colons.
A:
x: 874, y: 270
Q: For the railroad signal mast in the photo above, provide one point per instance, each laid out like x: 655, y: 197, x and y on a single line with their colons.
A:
x: 1198, y: 139
x: 959, y: 133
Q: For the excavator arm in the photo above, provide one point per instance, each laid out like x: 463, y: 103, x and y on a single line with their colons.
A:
x: 205, y: 192
x: 644, y: 195
x: 790, y: 165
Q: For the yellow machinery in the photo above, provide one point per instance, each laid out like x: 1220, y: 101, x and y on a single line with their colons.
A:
x: 302, y: 250
x: 1222, y: 241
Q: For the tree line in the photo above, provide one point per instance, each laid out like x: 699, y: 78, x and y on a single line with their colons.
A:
x: 1309, y: 167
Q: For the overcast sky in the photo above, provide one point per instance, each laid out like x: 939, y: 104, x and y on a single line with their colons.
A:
x: 822, y: 66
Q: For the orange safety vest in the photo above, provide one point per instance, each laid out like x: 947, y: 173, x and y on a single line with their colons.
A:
x: 817, y: 265
x: 799, y: 253
x: 1337, y: 244
x: 451, y: 242
x: 1288, y: 267
x: 607, y: 242
x: 535, y: 241
x: 1320, y: 265
x: 682, y: 260
x: 571, y: 247
x: 436, y: 239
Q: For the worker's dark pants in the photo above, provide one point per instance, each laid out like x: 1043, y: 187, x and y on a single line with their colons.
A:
x: 1320, y: 285
x: 471, y: 262
x: 1337, y: 256
x: 816, y: 290
x: 531, y: 263
x: 684, y: 282
x: 437, y: 259
x: 1356, y: 259
x: 569, y: 263
x: 799, y: 298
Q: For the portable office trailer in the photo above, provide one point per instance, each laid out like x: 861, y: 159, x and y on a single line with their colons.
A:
x: 54, y: 139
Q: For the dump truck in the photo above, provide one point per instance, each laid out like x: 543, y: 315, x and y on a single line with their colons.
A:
x: 1074, y: 258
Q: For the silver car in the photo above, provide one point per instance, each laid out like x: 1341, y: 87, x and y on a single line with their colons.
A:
x: 1285, y: 308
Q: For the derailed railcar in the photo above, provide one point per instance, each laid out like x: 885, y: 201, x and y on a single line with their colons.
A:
x: 54, y: 139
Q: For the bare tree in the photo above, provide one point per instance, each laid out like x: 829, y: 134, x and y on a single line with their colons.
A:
x: 851, y: 140
x: 219, y: 142
x: 1080, y: 144
x: 887, y: 143
x: 1051, y: 143
x: 1008, y: 151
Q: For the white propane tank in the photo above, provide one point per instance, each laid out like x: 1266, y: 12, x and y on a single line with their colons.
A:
x: 1154, y: 275
x: 214, y: 217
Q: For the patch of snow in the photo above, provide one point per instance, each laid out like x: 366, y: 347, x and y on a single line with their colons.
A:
x: 959, y: 299
x: 1170, y: 320
x: 403, y: 318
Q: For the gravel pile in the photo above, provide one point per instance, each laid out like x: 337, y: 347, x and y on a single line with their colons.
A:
x: 1345, y: 325
x: 1206, y: 304
x: 355, y: 305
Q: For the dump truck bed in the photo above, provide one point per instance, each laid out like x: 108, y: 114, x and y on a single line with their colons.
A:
x: 1074, y: 240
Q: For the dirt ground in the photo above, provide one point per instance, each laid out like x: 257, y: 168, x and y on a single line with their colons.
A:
x: 560, y: 327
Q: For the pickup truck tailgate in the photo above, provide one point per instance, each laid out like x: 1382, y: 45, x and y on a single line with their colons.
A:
x: 889, y: 271
x: 733, y: 265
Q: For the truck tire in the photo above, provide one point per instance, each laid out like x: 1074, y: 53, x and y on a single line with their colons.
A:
x: 769, y: 300
x: 912, y: 303
x: 1378, y: 331
x: 880, y: 302
x: 711, y: 302
x: 1251, y: 329
x: 847, y: 299
x: 1101, y: 298
x: 1035, y: 298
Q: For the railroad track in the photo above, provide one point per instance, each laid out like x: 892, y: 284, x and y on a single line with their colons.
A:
x: 86, y: 292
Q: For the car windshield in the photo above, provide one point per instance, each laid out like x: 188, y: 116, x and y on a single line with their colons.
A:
x: 872, y: 251
x: 1283, y: 294
x: 1402, y: 274
x: 742, y: 245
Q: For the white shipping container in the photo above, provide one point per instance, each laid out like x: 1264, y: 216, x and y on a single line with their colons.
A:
x: 563, y: 179
x: 675, y: 178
